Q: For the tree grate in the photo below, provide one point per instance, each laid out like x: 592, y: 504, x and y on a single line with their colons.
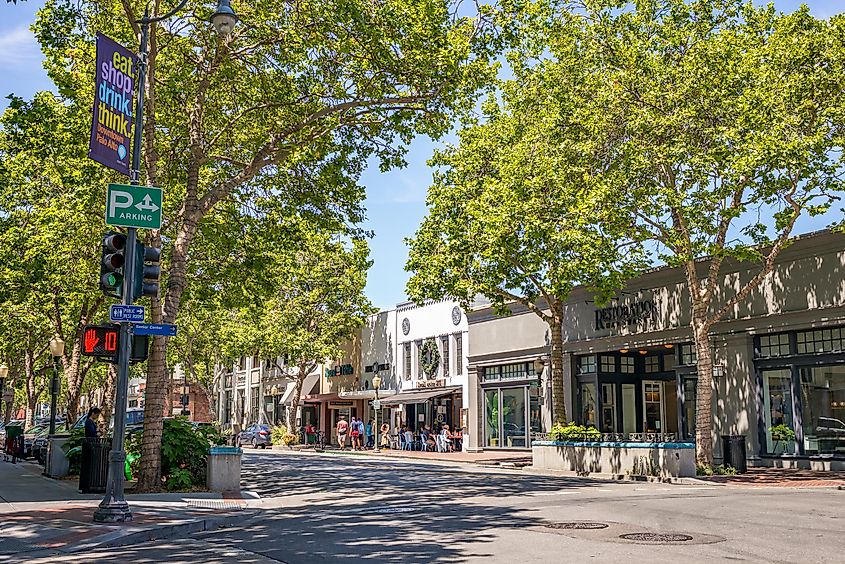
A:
x: 577, y: 525
x: 656, y: 537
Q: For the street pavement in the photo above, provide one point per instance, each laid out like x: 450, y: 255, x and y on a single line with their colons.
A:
x: 327, y: 508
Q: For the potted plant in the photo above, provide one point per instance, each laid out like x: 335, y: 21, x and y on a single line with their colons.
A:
x: 782, y: 434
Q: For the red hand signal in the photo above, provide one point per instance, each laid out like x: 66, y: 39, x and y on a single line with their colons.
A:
x: 91, y: 340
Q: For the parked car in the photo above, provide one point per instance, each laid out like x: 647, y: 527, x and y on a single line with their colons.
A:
x: 30, y: 435
x: 254, y: 435
x: 830, y: 427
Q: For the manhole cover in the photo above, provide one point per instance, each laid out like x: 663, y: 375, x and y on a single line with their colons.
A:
x: 577, y: 525
x: 656, y: 537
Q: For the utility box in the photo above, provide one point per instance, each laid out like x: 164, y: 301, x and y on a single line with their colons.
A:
x: 57, y: 465
x: 223, y: 469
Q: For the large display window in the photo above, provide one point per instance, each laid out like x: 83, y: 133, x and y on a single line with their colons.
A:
x: 511, y: 416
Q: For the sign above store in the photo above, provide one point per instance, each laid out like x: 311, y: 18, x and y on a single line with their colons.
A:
x: 431, y: 384
x: 342, y: 370
x: 624, y: 315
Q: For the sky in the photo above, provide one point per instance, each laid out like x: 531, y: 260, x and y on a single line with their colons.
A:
x: 395, y: 200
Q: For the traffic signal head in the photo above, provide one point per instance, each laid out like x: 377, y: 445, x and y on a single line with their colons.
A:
x: 111, y: 264
x: 147, y: 271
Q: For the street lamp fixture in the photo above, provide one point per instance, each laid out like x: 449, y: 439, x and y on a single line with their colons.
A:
x: 57, y: 349
x: 224, y: 19
x: 539, y: 365
x: 4, y: 371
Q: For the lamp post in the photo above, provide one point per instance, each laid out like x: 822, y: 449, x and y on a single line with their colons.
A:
x: 4, y: 372
x: 113, y: 508
x: 57, y: 349
x: 376, y: 406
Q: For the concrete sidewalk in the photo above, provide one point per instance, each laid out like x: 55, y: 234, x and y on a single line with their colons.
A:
x: 42, y: 517
x: 486, y: 458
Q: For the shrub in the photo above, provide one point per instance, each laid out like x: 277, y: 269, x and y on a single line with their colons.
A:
x: 277, y: 435
x: 289, y: 439
x: 184, y: 451
x: 782, y: 432
x: 573, y: 432
x: 720, y: 470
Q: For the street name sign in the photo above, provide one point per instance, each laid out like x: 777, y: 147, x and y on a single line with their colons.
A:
x: 163, y: 329
x: 130, y: 313
x: 133, y: 206
x: 376, y: 404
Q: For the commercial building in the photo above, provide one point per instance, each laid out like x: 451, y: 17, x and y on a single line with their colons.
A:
x: 630, y: 365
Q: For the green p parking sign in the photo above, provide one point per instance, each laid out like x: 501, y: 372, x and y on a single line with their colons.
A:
x: 133, y: 206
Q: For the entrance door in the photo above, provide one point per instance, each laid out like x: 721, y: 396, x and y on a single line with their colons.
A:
x: 777, y: 395
x: 654, y: 417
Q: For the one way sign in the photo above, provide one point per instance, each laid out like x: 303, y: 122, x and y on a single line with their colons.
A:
x: 133, y: 206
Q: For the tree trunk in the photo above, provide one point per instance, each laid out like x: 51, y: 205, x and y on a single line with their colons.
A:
x: 74, y: 377
x: 556, y: 360
x: 704, y: 393
x: 300, y: 380
x: 109, y: 393
x: 32, y: 391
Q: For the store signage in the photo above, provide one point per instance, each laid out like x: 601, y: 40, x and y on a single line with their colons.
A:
x: 111, y: 126
x: 342, y: 370
x: 432, y: 384
x: 624, y: 315
x: 340, y: 404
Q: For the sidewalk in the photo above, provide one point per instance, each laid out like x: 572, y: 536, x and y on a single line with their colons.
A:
x: 487, y: 458
x: 41, y: 516
x: 780, y: 478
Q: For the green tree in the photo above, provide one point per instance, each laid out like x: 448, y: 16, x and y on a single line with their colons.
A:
x: 292, y: 104
x: 723, y: 125
x: 511, y: 213
x: 51, y: 219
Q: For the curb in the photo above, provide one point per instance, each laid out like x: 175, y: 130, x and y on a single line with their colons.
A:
x: 137, y: 536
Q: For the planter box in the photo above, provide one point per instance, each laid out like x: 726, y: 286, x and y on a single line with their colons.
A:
x: 616, y: 459
x: 224, y: 469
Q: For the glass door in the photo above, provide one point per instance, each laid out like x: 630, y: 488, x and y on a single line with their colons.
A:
x: 608, y: 408
x: 777, y: 395
x: 491, y: 418
x: 513, y: 417
x: 653, y: 408
x: 629, y: 408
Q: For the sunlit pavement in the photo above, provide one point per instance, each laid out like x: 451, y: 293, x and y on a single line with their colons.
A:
x: 329, y: 508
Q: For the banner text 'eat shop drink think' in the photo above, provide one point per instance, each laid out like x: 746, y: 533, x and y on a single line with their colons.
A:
x: 111, y: 129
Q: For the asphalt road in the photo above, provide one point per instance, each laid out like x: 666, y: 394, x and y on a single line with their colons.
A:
x: 326, y: 508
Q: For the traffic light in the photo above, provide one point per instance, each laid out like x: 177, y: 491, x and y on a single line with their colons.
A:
x: 111, y: 264
x: 147, y: 271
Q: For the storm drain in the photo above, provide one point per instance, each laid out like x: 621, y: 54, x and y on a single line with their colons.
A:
x: 667, y: 538
x: 577, y: 525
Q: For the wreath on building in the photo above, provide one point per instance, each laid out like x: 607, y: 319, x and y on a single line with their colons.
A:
x: 429, y: 358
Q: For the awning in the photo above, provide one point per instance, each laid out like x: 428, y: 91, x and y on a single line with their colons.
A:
x: 307, y: 385
x: 419, y: 396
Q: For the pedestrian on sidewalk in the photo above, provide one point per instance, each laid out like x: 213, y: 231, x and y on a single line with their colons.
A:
x: 92, y: 431
x: 371, y: 438
x: 385, y: 435
x: 342, y: 428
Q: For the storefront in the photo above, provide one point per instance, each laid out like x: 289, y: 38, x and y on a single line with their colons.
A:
x: 511, y: 405
x: 630, y: 366
x: 430, y: 407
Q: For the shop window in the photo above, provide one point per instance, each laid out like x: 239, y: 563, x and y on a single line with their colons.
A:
x: 446, y: 358
x: 774, y: 345
x: 513, y: 371
x: 253, y: 405
x: 459, y: 354
x: 823, y: 409
x: 491, y: 373
x: 689, y: 356
x: 608, y: 363
x: 491, y: 419
x: 588, y: 404
x: 668, y: 362
x: 777, y: 397
x: 407, y: 360
x: 587, y: 364
x: 652, y: 364
x: 626, y: 364
x: 821, y: 340
x: 608, y: 408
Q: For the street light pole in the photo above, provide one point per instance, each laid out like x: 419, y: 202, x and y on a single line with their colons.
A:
x: 377, y: 406
x: 57, y: 349
x: 113, y: 508
x: 4, y: 372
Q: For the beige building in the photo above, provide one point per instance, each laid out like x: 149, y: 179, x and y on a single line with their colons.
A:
x: 630, y: 366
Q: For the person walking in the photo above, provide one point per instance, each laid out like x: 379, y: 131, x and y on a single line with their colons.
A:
x: 353, y: 433
x: 385, y: 435
x: 342, y: 428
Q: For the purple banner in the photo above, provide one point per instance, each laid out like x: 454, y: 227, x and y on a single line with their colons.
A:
x: 111, y: 128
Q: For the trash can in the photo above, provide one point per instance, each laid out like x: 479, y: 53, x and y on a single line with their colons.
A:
x: 94, y: 465
x: 733, y: 452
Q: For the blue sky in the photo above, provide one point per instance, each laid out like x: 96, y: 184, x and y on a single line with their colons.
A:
x: 395, y: 200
